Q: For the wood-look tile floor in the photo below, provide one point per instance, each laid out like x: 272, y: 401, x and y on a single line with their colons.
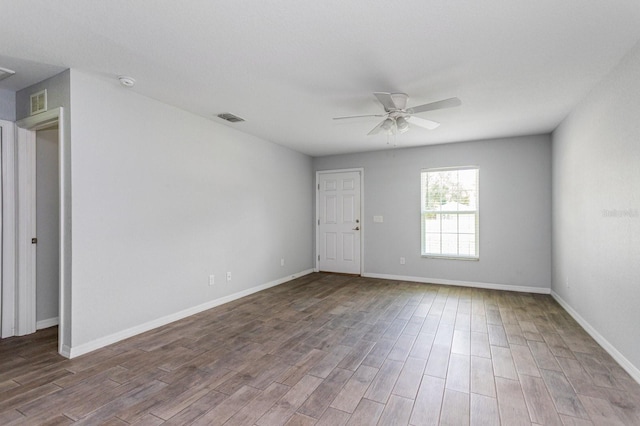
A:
x: 331, y: 350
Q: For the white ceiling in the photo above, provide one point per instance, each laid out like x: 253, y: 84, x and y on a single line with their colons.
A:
x: 289, y: 66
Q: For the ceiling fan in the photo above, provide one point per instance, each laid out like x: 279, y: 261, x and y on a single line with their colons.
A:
x: 398, y: 116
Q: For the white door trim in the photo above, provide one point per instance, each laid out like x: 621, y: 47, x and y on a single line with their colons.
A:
x: 8, y: 232
x: 359, y: 170
x: 26, y: 263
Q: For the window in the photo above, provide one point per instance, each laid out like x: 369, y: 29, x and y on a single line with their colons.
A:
x: 450, y: 213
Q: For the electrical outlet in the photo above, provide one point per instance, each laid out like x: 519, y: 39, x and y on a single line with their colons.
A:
x: 402, y: 261
x: 568, y: 286
x: 282, y: 262
x: 228, y: 276
x: 212, y: 279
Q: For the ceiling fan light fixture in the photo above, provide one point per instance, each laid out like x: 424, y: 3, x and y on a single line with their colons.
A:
x: 402, y: 124
x: 388, y: 125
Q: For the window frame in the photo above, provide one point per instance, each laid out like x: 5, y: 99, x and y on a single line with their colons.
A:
x: 424, y: 212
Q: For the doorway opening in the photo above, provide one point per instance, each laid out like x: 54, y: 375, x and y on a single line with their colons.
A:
x: 47, y: 207
x: 39, y: 229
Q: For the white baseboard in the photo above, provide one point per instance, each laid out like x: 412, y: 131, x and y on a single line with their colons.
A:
x: 490, y: 286
x: 65, y: 351
x: 130, y: 332
x: 47, y: 323
x: 633, y: 371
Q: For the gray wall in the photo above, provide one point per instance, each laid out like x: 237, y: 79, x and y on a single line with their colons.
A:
x: 47, y: 224
x: 515, y: 210
x: 596, y: 208
x: 163, y: 198
x: 7, y: 105
x: 58, y: 92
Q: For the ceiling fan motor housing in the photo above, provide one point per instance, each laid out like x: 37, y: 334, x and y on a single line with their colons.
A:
x: 400, y: 99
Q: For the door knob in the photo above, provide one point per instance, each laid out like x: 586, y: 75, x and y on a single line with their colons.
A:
x: 357, y: 228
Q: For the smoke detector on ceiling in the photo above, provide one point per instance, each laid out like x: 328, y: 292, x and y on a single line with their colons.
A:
x: 230, y: 117
x: 127, y: 81
x: 6, y: 73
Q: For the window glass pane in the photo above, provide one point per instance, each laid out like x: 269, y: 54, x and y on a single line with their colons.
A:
x: 450, y: 223
x: 450, y: 244
x: 449, y: 178
x: 467, y: 245
x: 467, y: 223
x: 432, y: 222
x: 432, y: 243
x: 467, y: 177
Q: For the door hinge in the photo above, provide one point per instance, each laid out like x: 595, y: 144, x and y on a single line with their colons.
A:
x: 318, y: 222
x: 318, y: 187
x: 318, y: 258
x: 34, y: 241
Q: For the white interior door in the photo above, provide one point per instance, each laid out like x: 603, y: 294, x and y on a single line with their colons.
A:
x: 339, y: 224
x: 8, y: 229
x: 26, y: 291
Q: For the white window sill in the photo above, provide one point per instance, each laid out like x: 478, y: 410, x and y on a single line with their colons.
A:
x: 432, y: 256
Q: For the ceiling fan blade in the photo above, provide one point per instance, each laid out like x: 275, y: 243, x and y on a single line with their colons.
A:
x: 359, y: 116
x: 427, y: 124
x: 386, y: 100
x: 376, y: 129
x: 446, y: 103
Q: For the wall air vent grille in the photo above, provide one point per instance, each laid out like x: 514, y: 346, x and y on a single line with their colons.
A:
x: 38, y: 102
x: 230, y: 117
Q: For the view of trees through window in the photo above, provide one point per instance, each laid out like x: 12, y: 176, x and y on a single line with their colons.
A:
x: 450, y: 212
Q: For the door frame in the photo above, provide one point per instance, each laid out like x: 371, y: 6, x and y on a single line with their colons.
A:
x: 25, y: 284
x: 360, y: 171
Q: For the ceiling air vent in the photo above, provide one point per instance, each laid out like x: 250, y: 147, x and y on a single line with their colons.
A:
x: 230, y: 117
x: 5, y: 73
